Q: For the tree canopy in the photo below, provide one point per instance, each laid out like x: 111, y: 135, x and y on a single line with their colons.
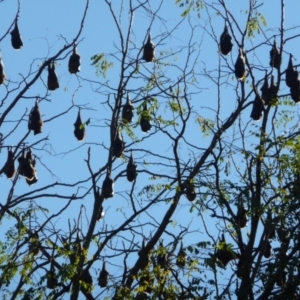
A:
x: 149, y: 150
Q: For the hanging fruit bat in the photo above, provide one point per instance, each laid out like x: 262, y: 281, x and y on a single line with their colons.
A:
x: 145, y: 119
x: 16, y: 40
x: 295, y: 91
x: 291, y: 75
x: 87, y: 279
x: 190, y: 191
x: 148, y: 53
x: 101, y: 213
x: 51, y: 278
x: 103, y: 276
x: 225, y: 42
x: 118, y: 145
x: 241, y: 218
x: 52, y: 78
x: 265, y: 90
x: 35, y: 122
x: 275, y: 59
x: 108, y: 187
x: 34, y: 243
x: 283, y: 234
x: 142, y: 296
x: 2, y: 74
x: 181, y: 257
x: 32, y: 161
x: 79, y: 130
x: 22, y: 160
x: 162, y: 257
x: 146, y: 281
x: 131, y: 172
x: 127, y: 112
x: 239, y: 67
x: 268, y: 250
x: 240, y: 268
x: 270, y: 226
x: 296, y: 186
x: 74, y: 61
x: 26, y: 167
x: 144, y: 256
x: 9, y: 167
x: 257, y: 109
x: 281, y: 279
x: 224, y: 254
x: 273, y: 91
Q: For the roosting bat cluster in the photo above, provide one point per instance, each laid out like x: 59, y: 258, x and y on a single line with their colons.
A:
x: 268, y: 93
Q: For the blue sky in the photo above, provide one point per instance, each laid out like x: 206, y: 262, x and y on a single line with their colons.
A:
x: 47, y: 25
